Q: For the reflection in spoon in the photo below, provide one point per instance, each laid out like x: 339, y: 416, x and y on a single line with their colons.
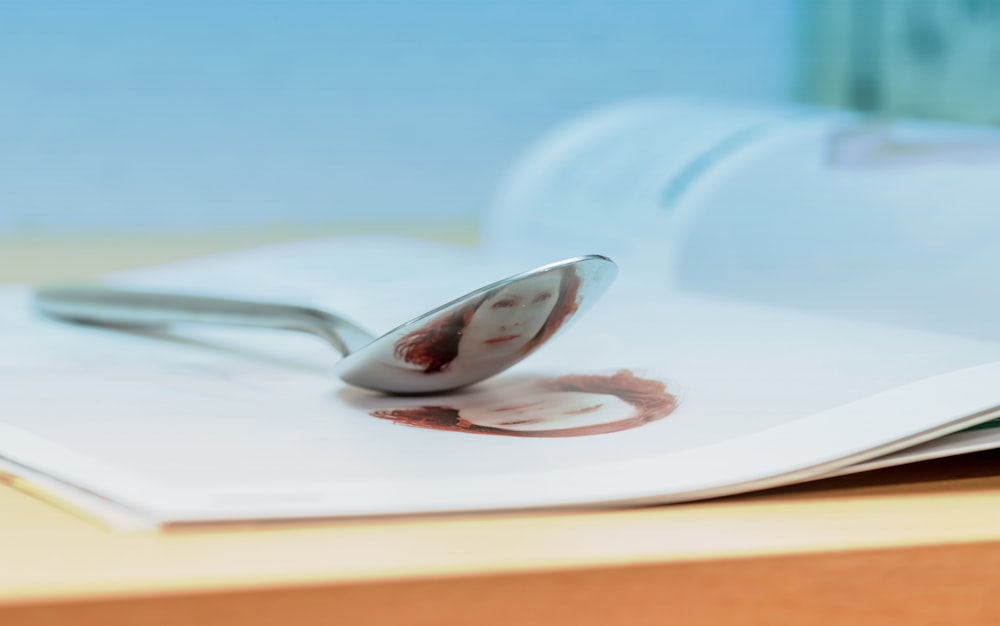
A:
x: 462, y: 342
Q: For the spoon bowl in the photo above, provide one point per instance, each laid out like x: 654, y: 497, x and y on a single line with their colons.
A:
x: 459, y: 343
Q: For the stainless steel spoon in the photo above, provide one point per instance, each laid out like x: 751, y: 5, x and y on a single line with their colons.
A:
x: 459, y: 343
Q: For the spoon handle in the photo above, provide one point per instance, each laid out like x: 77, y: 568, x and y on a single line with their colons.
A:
x: 119, y: 307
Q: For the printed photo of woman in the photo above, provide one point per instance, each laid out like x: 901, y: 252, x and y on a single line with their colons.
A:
x: 563, y: 406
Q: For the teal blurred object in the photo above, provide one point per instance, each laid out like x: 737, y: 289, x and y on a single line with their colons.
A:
x: 915, y: 58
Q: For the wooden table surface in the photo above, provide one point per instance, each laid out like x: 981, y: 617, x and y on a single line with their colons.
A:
x: 917, y: 545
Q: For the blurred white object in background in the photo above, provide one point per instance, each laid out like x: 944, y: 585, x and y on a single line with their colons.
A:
x: 889, y: 220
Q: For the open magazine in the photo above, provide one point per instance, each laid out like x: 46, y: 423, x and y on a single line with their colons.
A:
x: 802, y: 294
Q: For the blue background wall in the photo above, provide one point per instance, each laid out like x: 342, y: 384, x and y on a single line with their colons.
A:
x: 128, y: 114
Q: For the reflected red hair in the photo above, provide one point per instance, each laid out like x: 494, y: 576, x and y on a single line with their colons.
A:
x: 650, y: 398
x: 433, y: 346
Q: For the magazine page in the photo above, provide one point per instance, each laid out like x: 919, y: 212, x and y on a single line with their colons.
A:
x: 661, y: 398
x: 891, y: 221
x: 978, y: 438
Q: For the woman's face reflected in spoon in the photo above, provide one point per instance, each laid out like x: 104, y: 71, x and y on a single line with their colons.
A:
x: 460, y: 343
x: 482, y: 333
x: 506, y: 321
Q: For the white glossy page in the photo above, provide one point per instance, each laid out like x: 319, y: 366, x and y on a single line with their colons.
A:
x: 225, y: 424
